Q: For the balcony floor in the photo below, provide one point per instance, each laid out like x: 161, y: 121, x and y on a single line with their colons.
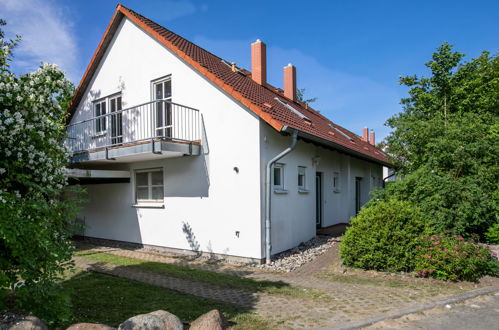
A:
x: 138, y: 152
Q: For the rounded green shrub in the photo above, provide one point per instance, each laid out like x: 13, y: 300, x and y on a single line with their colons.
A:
x: 383, y: 236
x: 492, y: 234
x: 447, y: 257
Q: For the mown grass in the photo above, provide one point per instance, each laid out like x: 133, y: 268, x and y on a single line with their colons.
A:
x: 99, y: 298
x: 218, y: 279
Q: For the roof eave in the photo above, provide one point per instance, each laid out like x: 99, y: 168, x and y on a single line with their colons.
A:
x: 331, y: 144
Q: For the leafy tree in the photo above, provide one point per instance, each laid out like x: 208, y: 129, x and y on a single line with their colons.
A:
x: 445, y: 142
x: 300, y: 95
x: 35, y: 246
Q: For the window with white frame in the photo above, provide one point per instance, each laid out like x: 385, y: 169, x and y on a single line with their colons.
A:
x: 99, y: 115
x: 336, y: 182
x: 149, y: 186
x: 278, y: 179
x: 302, y: 179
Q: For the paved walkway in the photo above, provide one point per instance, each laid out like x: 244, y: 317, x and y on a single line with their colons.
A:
x: 343, y: 302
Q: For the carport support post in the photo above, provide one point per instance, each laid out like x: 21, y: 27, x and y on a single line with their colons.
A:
x: 268, y: 171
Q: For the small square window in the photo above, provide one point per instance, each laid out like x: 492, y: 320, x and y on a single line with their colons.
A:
x: 149, y: 185
x: 336, y: 182
x: 278, y: 179
x: 301, y: 177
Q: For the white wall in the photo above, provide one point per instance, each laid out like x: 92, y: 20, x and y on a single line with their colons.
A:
x: 294, y: 214
x: 202, y: 191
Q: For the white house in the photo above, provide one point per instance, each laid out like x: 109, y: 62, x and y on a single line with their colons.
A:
x: 173, y: 145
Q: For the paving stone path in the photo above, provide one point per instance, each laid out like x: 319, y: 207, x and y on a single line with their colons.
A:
x: 343, y: 302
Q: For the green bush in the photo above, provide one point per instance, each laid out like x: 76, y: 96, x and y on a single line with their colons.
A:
x: 447, y: 257
x: 492, y: 234
x: 383, y: 236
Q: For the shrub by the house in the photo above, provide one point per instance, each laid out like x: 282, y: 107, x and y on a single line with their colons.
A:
x: 492, y: 234
x: 451, y: 257
x: 383, y: 237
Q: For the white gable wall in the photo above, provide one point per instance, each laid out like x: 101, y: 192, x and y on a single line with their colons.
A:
x: 201, y: 192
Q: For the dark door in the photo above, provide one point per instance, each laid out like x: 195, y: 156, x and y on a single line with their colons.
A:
x: 318, y: 199
x: 358, y: 185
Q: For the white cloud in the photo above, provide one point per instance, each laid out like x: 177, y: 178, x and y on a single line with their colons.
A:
x: 47, y: 35
x: 349, y: 100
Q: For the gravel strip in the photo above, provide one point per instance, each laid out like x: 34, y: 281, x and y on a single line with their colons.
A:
x: 294, y: 258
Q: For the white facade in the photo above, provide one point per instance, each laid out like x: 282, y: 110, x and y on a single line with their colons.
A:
x: 213, y: 202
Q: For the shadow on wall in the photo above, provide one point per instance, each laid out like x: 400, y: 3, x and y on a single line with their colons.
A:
x: 191, y: 239
x: 196, y: 247
x: 187, y: 177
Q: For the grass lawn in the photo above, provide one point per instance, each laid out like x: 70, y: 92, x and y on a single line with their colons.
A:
x: 223, y: 280
x: 99, y: 298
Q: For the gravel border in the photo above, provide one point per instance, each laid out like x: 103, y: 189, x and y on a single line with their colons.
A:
x: 294, y: 258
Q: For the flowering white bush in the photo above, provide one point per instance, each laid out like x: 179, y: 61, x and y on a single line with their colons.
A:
x: 35, y: 246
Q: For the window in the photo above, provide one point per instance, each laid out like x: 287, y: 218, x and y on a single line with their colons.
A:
x: 116, y: 118
x: 149, y: 185
x: 336, y: 182
x: 162, y: 90
x: 100, y: 119
x: 278, y: 176
x: 302, y: 178
x: 342, y: 133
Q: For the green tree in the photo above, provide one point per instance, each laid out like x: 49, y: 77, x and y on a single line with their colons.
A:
x: 445, y: 142
x: 35, y: 246
x: 300, y: 95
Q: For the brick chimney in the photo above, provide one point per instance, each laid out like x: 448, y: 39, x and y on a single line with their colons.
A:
x: 365, y: 134
x: 371, y: 138
x: 290, y: 82
x: 259, y: 62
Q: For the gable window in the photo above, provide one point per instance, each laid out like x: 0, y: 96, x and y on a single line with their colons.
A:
x: 336, y: 182
x: 100, y: 119
x: 278, y: 179
x: 302, y: 178
x: 149, y: 186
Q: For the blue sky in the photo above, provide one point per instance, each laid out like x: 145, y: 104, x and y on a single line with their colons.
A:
x: 349, y: 54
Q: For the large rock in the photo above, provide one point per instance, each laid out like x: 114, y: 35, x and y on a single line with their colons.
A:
x: 158, y: 320
x: 213, y: 320
x: 20, y: 322
x: 90, y: 326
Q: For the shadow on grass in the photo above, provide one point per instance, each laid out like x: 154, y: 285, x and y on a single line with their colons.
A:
x: 101, y: 298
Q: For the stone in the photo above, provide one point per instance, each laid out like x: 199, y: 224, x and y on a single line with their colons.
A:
x: 90, y: 326
x: 170, y: 321
x: 158, y: 320
x: 20, y: 322
x: 213, y: 320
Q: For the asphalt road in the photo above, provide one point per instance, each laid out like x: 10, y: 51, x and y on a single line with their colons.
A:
x: 481, y: 313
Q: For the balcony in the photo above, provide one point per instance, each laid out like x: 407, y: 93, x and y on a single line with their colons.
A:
x: 152, y: 130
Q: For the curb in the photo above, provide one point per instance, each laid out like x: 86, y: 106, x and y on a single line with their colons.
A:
x: 415, y: 309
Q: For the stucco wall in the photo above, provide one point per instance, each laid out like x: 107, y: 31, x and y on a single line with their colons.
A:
x: 294, y: 213
x: 203, y: 193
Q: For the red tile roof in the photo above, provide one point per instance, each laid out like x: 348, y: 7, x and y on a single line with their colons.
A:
x: 260, y: 99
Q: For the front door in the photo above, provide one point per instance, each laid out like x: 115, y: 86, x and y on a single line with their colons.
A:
x: 358, y: 194
x: 318, y: 199
x: 163, y: 91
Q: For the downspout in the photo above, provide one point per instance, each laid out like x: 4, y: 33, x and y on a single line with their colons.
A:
x: 268, y: 244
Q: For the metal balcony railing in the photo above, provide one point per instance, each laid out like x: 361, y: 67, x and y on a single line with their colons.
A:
x: 158, y: 119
